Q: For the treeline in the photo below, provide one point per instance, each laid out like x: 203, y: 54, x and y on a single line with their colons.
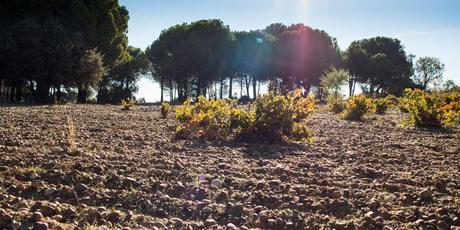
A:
x: 207, y: 58
x: 59, y: 50
x: 76, y: 50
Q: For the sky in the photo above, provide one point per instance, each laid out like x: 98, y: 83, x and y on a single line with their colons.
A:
x: 425, y: 27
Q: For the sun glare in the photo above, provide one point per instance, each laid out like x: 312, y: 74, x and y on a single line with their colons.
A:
x: 291, y: 7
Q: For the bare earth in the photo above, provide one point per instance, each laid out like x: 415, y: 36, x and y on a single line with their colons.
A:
x: 128, y: 171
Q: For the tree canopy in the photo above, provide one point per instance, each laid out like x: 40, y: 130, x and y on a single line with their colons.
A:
x: 428, y: 70
x: 193, y: 57
x: 303, y: 54
x: 121, y: 81
x: 381, y: 64
x: 53, y: 44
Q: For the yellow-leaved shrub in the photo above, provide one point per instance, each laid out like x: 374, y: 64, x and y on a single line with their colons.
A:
x: 335, y: 103
x: 432, y: 109
x: 270, y: 118
x: 381, y: 105
x: 276, y: 117
x: 357, y: 107
x: 164, y: 109
x: 127, y: 104
x: 210, y: 119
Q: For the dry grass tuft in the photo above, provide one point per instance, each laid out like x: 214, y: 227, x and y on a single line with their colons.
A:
x: 71, y: 136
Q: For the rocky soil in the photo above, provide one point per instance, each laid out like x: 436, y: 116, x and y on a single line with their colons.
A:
x: 65, y: 167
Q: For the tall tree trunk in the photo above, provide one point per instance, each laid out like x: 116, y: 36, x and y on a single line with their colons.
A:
x: 53, y: 94
x: 248, y: 83
x: 350, y: 86
x: 161, y: 89
x: 258, y: 88
x: 215, y: 91
x: 31, y: 89
x: 82, y: 95
x: 204, y: 91
x: 186, y: 91
x: 307, y: 88
x: 353, y: 90
x: 127, y: 86
x: 230, y: 87
x: 198, y: 89
x: 12, y: 93
x: 241, y: 87
x: 221, y: 89
x: 42, y: 93
x: 171, y: 92
x: 1, y: 91
x: 19, y: 92
x: 321, y: 94
x: 59, y: 94
x: 424, y: 85
x: 101, y: 96
x: 254, y: 86
x: 180, y: 92
x: 7, y: 93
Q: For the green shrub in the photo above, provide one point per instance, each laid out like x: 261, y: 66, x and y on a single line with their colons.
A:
x: 165, y: 108
x: 270, y: 118
x: 357, y: 107
x: 127, y: 104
